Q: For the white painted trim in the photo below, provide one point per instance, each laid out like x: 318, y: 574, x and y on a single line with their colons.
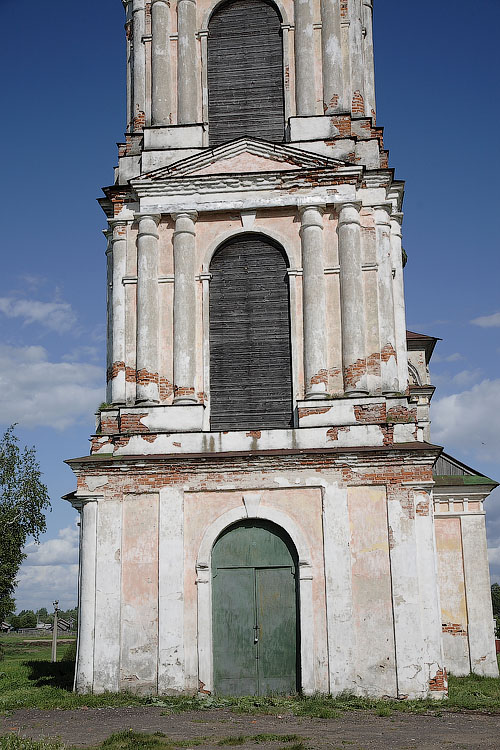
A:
x: 204, y: 587
x: 214, y: 5
x: 224, y: 236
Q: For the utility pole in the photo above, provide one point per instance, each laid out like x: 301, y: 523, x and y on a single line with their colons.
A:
x: 54, y: 632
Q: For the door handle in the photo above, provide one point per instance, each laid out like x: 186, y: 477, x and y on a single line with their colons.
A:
x: 256, y: 635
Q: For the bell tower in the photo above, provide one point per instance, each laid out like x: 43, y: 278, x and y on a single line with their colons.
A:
x: 259, y: 427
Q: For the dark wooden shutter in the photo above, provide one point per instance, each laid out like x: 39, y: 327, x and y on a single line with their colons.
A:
x: 250, y: 356
x: 245, y: 72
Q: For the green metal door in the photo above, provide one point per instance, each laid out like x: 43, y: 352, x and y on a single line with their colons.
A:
x: 254, y: 611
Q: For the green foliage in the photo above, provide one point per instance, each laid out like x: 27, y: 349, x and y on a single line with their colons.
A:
x: 13, y: 742
x: 23, y: 499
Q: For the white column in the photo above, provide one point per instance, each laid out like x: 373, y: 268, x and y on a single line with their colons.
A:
x: 430, y: 606
x: 305, y: 95
x: 86, y: 620
x: 399, y: 301
x: 411, y: 679
x: 161, y: 81
x: 147, y: 308
x: 333, y: 77
x: 369, y: 64
x: 119, y: 262
x: 314, y: 303
x: 139, y: 64
x: 108, y: 233
x: 352, y: 300
x: 184, y: 239
x: 171, y: 592
x: 187, y: 84
x: 356, y: 57
x: 130, y: 64
x: 477, y: 587
x: 388, y: 360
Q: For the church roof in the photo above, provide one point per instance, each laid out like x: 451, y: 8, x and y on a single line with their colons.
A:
x: 450, y: 471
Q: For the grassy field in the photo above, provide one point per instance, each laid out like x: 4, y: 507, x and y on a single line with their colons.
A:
x: 28, y: 679
x: 158, y: 741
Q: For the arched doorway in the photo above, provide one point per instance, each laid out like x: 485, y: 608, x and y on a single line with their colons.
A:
x: 250, y: 347
x: 245, y: 72
x: 254, y: 611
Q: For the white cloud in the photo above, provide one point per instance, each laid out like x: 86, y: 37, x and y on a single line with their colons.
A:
x: 49, y: 572
x: 487, y: 321
x: 56, y: 316
x: 465, y: 421
x: 455, y: 357
x: 60, y: 551
x: 466, y: 377
x: 35, y: 392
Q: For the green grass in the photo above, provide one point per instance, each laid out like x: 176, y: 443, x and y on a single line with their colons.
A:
x: 29, y: 680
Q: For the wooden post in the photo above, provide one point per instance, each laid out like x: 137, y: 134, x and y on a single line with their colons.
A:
x: 54, y: 632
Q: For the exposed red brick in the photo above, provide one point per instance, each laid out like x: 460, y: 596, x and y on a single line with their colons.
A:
x: 254, y: 434
x: 306, y: 412
x: 131, y: 422
x: 370, y: 413
x: 358, y: 103
x: 454, y: 629
x: 422, y: 508
x: 402, y: 415
x: 439, y: 683
x: 387, y: 352
x: 333, y: 433
x: 183, y: 390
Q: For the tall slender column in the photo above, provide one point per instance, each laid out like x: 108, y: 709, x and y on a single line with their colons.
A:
x: 139, y: 65
x: 119, y: 261
x: 314, y: 303
x: 352, y: 300
x: 369, y: 63
x: 84, y: 678
x: 356, y: 55
x: 333, y: 78
x: 184, y: 307
x: 147, y: 308
x: 128, y: 33
x: 399, y: 301
x: 108, y: 233
x: 161, y: 106
x: 305, y: 97
x: 187, y: 85
x: 388, y: 360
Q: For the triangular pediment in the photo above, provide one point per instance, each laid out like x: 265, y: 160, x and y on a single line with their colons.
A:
x: 245, y: 156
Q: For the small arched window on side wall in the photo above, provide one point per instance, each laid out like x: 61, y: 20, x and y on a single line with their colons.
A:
x: 250, y: 346
x: 245, y: 72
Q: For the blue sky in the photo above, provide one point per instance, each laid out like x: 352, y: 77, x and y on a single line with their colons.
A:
x: 63, y: 91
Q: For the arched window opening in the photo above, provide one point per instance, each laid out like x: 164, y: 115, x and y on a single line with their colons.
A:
x: 245, y: 72
x: 250, y: 349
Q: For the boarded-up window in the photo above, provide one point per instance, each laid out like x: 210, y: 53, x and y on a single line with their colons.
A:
x: 245, y: 72
x: 250, y: 356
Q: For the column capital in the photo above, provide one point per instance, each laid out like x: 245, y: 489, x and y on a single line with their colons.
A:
x: 397, y: 216
x: 118, y: 223
x: 189, y: 214
x: 139, y: 216
x: 311, y: 215
x: 348, y: 212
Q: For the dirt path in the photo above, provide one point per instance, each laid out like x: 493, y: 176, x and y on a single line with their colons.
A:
x: 356, y: 730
